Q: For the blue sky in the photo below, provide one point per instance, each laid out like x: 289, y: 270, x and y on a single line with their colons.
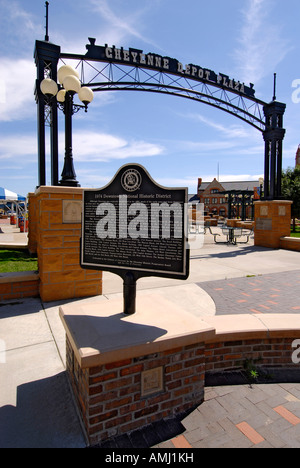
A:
x: 177, y: 140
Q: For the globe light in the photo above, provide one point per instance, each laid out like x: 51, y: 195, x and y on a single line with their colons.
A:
x: 68, y: 84
x: 65, y: 71
x: 49, y: 87
x: 86, y: 95
x: 61, y: 95
x: 71, y: 83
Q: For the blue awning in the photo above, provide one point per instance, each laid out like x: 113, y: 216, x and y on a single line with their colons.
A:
x: 7, y: 195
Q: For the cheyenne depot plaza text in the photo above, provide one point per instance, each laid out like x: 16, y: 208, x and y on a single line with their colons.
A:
x: 136, y: 57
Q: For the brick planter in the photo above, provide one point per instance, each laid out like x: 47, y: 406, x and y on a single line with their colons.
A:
x: 110, y: 397
x: 19, y: 285
x: 264, y: 340
x: 290, y: 243
x: 128, y: 372
x: 231, y: 355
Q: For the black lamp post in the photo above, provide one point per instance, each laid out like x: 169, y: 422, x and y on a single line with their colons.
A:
x: 69, y: 86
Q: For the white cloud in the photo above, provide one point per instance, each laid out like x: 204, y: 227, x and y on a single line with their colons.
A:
x: 121, y: 25
x: 207, y: 146
x: 226, y: 139
x: 2, y: 91
x: 18, y: 146
x: 229, y: 131
x: 177, y: 181
x: 17, y: 97
x: 261, y: 45
x: 88, y: 147
x: 92, y: 147
x: 13, y: 12
x: 88, y: 178
x: 215, y: 146
x: 19, y: 28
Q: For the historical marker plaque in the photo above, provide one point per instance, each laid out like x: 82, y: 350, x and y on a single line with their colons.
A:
x: 264, y: 224
x: 134, y: 224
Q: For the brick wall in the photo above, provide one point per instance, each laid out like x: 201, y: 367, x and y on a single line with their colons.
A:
x: 110, y: 398
x: 272, y: 221
x: 290, y: 243
x: 231, y: 355
x: 19, y: 286
x: 58, y: 248
x: 33, y: 223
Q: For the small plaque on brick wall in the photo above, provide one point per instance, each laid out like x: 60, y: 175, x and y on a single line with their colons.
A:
x: 264, y: 211
x: 72, y: 211
x: 263, y: 224
x: 282, y: 211
x: 152, y: 381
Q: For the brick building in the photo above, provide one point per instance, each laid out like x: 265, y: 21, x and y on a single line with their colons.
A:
x: 212, y: 195
x: 298, y: 157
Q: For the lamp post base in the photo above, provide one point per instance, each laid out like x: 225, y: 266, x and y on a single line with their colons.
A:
x: 69, y: 183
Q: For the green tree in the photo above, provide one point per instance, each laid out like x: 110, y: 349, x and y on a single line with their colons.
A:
x: 291, y: 190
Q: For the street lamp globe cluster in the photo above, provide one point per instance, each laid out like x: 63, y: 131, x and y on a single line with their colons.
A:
x: 69, y: 81
x: 64, y: 93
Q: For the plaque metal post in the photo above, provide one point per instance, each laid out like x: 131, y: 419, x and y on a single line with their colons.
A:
x: 129, y: 293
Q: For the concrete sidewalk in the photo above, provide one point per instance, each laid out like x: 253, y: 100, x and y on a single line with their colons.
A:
x: 11, y: 237
x: 36, y: 406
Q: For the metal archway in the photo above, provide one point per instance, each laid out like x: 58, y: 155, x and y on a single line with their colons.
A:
x: 105, y: 68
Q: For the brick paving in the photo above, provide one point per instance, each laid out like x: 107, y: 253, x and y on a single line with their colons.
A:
x: 232, y: 416
x: 265, y: 416
x: 276, y: 293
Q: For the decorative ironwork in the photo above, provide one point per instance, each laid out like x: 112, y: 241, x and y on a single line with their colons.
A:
x: 119, y: 77
x: 105, y: 68
x: 75, y: 108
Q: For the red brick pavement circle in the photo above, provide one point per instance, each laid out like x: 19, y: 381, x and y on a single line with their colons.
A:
x: 277, y: 293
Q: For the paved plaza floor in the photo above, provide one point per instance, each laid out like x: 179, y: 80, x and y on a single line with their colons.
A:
x: 36, y: 406
x: 274, y: 293
x: 265, y: 416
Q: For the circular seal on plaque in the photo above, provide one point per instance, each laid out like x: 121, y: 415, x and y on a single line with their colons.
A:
x: 131, y: 180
